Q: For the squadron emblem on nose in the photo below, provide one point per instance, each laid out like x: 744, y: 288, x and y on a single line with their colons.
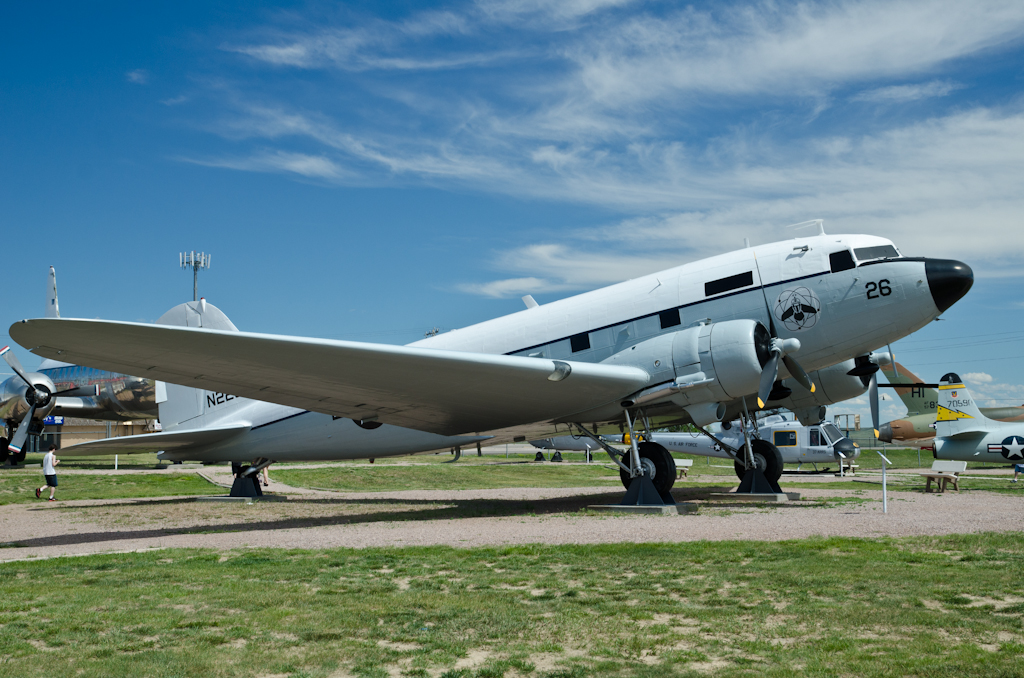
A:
x: 798, y: 308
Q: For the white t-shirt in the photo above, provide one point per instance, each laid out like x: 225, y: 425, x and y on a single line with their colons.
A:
x: 48, y: 464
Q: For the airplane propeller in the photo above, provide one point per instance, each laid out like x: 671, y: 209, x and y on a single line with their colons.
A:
x: 866, y: 366
x: 37, y: 396
x: 781, y: 349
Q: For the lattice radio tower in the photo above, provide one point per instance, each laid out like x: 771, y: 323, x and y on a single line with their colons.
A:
x: 197, y: 261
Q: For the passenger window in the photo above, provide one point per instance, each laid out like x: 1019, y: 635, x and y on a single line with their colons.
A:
x: 733, y: 282
x: 579, y: 342
x: 815, y: 436
x: 670, y: 318
x: 785, y: 438
x: 841, y: 261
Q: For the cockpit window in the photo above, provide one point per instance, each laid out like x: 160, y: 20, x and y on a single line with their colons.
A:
x: 877, y: 252
x: 833, y: 433
x: 841, y: 261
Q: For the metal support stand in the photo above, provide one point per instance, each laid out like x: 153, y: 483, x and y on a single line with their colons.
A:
x: 557, y: 456
x: 641, y: 490
x: 247, y: 479
x: 539, y: 456
x: 754, y: 481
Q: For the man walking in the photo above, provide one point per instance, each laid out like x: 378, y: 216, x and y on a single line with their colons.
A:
x: 49, y: 462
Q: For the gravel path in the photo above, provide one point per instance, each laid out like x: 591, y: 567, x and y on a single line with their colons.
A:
x: 465, y: 518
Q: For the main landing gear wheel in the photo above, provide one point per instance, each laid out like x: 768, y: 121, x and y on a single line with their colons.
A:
x: 3, y: 449
x: 766, y: 457
x: 653, y: 457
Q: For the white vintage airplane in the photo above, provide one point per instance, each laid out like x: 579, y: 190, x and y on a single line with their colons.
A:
x: 964, y: 433
x: 698, y: 343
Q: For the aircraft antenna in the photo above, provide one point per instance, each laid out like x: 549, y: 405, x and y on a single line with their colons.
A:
x: 197, y: 261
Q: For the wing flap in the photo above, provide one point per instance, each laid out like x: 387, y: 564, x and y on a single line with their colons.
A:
x: 445, y: 392
x: 154, y: 442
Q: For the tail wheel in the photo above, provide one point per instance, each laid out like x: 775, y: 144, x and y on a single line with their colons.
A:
x: 766, y: 457
x: 653, y: 457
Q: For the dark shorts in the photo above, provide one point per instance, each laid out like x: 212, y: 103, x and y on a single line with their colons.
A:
x: 51, y: 481
x: 1018, y: 468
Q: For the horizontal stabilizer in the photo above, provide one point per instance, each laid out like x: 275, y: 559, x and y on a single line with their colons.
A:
x: 445, y: 392
x: 154, y: 442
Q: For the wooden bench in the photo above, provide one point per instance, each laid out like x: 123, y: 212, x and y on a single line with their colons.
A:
x: 943, y: 473
x: 683, y: 468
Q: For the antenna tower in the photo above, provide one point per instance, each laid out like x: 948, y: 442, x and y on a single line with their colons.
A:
x: 197, y: 261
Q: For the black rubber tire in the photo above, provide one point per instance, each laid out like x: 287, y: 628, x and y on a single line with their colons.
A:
x: 3, y: 449
x: 664, y: 466
x: 19, y: 457
x: 766, y: 456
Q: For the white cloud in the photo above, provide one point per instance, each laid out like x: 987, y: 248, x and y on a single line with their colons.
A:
x: 139, y: 76
x: 978, y: 378
x: 508, y: 288
x: 905, y: 93
x: 310, y: 166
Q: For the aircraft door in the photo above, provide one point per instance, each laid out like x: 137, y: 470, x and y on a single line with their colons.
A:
x: 816, y: 443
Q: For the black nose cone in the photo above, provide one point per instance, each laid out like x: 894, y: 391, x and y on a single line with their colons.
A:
x: 885, y: 433
x: 948, y: 280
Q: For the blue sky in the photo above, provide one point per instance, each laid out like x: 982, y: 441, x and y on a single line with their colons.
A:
x: 369, y: 170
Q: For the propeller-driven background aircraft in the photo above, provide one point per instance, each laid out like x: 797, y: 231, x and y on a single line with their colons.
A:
x: 964, y: 433
x: 59, y: 388
x: 918, y: 427
x: 700, y: 343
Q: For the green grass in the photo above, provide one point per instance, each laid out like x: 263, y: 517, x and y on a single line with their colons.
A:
x: 17, y: 487
x: 381, y: 478
x: 817, y: 607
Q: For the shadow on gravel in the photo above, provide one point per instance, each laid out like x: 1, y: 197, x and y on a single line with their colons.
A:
x: 380, y: 510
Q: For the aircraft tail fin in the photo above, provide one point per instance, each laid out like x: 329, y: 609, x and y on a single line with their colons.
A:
x: 179, y: 404
x: 957, y: 412
x: 52, y: 308
x: 918, y: 399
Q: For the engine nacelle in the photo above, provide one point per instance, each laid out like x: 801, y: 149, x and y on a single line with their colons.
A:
x: 712, y: 363
x: 15, y: 399
x: 833, y: 385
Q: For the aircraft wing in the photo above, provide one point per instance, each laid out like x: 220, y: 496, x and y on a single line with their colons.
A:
x: 153, y: 442
x: 445, y: 392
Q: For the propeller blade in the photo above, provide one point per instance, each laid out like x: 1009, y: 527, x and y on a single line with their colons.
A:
x: 798, y: 372
x: 873, y: 397
x: 15, y: 364
x: 768, y: 375
x: 18, y: 441
x: 86, y: 391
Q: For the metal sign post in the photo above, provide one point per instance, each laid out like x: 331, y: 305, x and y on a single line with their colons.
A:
x: 885, y: 497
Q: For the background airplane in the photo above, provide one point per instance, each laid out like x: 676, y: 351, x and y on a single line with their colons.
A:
x: 699, y: 343
x: 799, y: 444
x: 62, y: 389
x: 918, y: 427
x: 963, y: 432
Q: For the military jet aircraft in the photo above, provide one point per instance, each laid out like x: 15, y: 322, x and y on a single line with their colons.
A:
x: 964, y: 433
x: 917, y: 429
x: 703, y: 342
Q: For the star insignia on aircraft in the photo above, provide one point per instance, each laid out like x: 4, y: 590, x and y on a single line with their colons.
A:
x: 1012, y: 448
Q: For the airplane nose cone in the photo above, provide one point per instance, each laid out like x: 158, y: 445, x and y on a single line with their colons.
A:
x: 948, y: 281
x: 885, y: 433
x: 847, y: 447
